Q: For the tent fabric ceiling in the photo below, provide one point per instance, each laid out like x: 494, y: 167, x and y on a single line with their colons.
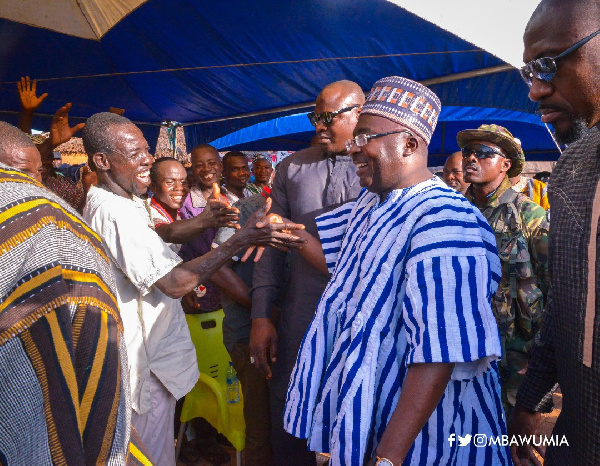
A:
x: 222, y: 66
x: 88, y: 19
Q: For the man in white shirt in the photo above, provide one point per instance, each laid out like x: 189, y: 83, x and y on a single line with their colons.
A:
x: 150, y: 277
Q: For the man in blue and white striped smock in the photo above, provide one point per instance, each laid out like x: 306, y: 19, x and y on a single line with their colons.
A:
x: 399, y: 365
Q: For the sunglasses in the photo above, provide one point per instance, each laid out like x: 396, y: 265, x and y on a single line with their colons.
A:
x: 362, y: 139
x: 327, y: 117
x: 545, y: 68
x: 481, y: 151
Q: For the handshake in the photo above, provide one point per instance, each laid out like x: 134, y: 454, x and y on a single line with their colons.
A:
x: 261, y: 230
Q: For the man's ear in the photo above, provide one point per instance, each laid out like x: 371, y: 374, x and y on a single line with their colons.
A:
x: 411, y: 146
x: 506, y: 164
x: 101, y: 161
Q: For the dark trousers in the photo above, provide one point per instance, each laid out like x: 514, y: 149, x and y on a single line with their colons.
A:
x: 258, y: 451
x: 288, y: 450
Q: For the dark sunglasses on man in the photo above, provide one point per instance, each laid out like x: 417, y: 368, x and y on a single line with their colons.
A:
x: 481, y: 151
x: 545, y: 68
x: 327, y: 117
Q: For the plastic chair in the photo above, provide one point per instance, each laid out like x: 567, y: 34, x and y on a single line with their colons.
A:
x: 208, y: 398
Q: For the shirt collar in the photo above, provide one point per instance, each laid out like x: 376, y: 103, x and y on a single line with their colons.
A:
x: 492, y: 198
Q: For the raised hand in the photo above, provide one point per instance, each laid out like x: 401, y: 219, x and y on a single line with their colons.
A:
x: 60, y: 131
x: 30, y: 102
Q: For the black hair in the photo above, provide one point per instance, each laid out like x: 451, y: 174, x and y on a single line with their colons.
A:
x: 156, y: 164
x: 96, y: 136
x: 231, y: 154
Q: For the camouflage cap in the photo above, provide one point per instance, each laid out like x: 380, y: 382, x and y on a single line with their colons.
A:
x: 500, y: 136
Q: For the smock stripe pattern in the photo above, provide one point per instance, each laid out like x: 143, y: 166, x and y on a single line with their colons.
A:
x: 412, y: 282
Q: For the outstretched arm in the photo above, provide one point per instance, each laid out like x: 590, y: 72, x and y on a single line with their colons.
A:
x: 233, y: 286
x: 188, y: 275
x: 217, y: 214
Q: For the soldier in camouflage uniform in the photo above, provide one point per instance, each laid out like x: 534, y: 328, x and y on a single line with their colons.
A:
x: 490, y: 157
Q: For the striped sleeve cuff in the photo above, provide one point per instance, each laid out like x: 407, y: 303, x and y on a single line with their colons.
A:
x: 448, y: 312
x: 332, y: 228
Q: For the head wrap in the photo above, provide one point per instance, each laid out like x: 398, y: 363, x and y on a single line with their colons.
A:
x: 405, y: 102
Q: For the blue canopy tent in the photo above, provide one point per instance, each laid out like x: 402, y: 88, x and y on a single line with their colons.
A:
x: 218, y: 67
x: 294, y: 132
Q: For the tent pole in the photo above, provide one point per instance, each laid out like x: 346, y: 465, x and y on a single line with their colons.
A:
x: 467, y: 75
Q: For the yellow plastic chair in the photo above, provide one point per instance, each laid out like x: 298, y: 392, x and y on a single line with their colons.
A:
x: 208, y: 399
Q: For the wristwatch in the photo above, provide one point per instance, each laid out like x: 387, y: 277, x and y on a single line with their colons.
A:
x: 379, y: 461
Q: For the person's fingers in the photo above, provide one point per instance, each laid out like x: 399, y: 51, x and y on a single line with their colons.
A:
x: 541, y: 449
x: 216, y: 204
x: 267, y: 219
x: 260, y: 361
x: 273, y: 350
x: 33, y: 85
x: 289, y: 226
x: 260, y: 213
x: 513, y: 454
x: 287, y: 239
x: 259, y: 253
x: 216, y: 194
x: 533, y: 459
x: 78, y: 128
x: 223, y: 213
x: 62, y: 111
x: 524, y: 455
x: 248, y: 253
x: 42, y: 97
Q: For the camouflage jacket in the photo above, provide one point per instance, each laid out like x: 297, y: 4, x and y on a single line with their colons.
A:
x: 521, y: 229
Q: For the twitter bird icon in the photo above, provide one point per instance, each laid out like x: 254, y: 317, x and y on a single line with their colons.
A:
x: 464, y: 441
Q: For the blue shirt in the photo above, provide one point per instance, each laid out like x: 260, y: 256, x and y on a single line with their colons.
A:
x: 412, y: 282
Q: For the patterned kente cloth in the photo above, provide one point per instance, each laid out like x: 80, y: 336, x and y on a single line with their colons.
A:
x: 568, y: 350
x: 64, y: 390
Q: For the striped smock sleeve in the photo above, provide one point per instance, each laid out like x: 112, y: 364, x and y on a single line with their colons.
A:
x: 452, y: 273
x: 332, y: 228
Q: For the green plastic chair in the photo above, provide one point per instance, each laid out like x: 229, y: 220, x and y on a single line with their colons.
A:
x: 208, y: 398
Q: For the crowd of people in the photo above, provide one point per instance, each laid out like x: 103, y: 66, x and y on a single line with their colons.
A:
x: 373, y: 311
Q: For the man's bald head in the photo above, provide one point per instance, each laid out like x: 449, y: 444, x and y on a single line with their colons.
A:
x: 17, y: 150
x: 12, y: 139
x: 570, y: 102
x: 453, y: 173
x: 568, y: 12
x: 340, y: 95
x: 345, y: 92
